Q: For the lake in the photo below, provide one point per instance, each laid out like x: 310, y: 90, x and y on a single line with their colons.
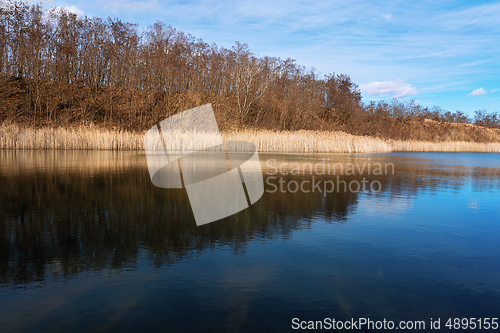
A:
x: 88, y: 243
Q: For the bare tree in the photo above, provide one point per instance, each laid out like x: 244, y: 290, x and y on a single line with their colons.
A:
x: 251, y: 78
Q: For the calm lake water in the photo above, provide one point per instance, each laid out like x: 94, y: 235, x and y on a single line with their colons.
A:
x: 87, y: 243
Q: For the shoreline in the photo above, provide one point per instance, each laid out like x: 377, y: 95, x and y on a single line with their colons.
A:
x: 14, y: 137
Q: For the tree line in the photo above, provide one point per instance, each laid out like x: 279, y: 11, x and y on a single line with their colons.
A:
x: 113, y: 72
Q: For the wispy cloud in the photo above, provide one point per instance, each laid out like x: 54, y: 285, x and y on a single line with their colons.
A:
x: 396, y: 88
x: 475, y: 63
x: 478, y: 16
x: 494, y: 90
x: 478, y: 92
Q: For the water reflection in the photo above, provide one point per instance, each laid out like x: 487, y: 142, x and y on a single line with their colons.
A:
x: 67, y: 212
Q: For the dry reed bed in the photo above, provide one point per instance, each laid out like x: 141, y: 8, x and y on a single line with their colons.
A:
x: 447, y: 146
x: 310, y: 142
x: 15, y: 137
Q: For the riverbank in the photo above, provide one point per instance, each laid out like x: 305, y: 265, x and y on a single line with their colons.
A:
x: 15, y: 137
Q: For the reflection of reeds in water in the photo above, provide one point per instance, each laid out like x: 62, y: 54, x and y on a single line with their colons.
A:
x: 15, y: 137
x: 15, y: 162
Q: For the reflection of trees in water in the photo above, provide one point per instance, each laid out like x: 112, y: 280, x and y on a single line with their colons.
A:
x: 65, y: 223
x: 69, y: 222
x: 411, y: 178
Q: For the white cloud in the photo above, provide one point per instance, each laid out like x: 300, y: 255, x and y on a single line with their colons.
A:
x: 74, y: 9
x: 494, y: 90
x: 396, y: 88
x: 478, y: 92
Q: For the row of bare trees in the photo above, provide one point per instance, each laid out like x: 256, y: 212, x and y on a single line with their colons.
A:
x: 60, y: 46
x: 105, y: 56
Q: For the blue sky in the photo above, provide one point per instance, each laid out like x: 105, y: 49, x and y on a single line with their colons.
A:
x: 444, y: 53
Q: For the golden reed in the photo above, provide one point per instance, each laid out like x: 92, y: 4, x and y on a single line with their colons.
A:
x: 16, y: 137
